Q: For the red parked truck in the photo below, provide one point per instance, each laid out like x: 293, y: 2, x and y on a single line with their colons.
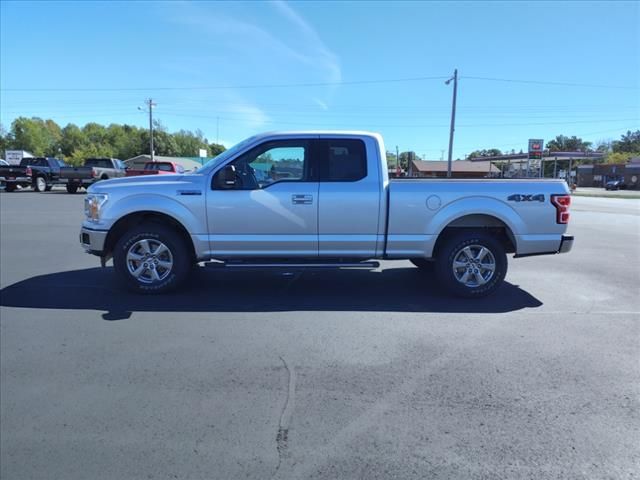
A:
x: 156, y: 168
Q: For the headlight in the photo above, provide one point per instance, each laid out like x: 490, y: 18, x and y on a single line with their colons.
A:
x: 93, y: 203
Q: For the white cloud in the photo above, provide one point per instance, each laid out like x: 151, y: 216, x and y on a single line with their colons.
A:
x: 321, y: 104
x: 251, y: 114
x: 315, y: 43
x: 301, y: 43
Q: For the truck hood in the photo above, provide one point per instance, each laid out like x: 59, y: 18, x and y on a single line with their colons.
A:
x: 145, y: 183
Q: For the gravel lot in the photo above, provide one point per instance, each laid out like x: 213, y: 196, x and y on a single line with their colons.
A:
x: 344, y: 375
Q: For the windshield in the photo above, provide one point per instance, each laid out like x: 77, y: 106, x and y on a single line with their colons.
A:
x: 229, y: 153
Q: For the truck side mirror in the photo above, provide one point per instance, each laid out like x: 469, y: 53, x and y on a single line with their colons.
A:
x: 228, y: 177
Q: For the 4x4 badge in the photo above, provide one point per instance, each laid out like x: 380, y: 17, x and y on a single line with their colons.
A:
x: 517, y: 197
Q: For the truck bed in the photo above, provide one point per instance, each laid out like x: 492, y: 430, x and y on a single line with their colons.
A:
x: 76, y: 173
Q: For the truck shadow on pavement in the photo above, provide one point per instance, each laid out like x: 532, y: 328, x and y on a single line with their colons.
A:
x: 211, y: 290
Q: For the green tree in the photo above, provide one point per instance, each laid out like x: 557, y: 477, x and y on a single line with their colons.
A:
x: 619, y: 157
x: 391, y: 160
x: 72, y: 138
x: 603, y: 146
x: 35, y: 135
x: 491, y: 152
x: 89, y: 150
x: 5, y: 140
x: 629, y: 143
x: 216, y: 149
x: 563, y: 143
x: 125, y: 140
x: 189, y: 143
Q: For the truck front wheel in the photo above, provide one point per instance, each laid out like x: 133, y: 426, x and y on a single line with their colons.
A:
x: 71, y: 188
x: 151, y: 258
x: 471, y: 264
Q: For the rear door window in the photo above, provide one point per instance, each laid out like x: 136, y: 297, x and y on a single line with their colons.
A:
x: 99, y: 163
x: 342, y: 160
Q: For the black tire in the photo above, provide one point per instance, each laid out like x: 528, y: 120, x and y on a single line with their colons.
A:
x: 423, y: 264
x: 48, y: 188
x: 453, y: 249
x: 72, y: 188
x: 39, y: 184
x: 10, y: 187
x: 154, y: 234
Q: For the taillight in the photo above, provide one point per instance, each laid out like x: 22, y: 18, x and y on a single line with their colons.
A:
x: 28, y: 172
x: 562, y: 203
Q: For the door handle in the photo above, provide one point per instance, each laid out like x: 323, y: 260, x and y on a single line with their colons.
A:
x: 301, y: 199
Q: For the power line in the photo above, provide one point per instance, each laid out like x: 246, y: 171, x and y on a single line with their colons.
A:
x: 303, y: 123
x: 315, y: 84
x: 221, y: 87
x: 542, y: 82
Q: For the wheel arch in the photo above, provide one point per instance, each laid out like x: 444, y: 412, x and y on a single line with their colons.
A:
x: 133, y: 219
x: 478, y: 222
x: 478, y: 213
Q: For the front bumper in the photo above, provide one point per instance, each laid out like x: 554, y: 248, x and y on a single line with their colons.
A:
x: 93, y: 241
x: 566, y: 244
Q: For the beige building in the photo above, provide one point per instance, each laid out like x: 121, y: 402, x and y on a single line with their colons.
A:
x: 459, y: 169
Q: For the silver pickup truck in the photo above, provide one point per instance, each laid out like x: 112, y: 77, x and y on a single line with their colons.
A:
x: 319, y: 199
x: 93, y: 170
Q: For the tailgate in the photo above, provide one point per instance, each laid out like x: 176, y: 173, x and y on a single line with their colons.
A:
x: 76, y: 173
x: 13, y: 171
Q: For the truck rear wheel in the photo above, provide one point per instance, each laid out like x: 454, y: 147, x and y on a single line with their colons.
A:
x: 471, y: 264
x: 71, y: 188
x: 40, y: 184
x: 10, y: 187
x: 151, y: 258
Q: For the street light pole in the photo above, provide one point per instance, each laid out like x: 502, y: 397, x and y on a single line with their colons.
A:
x: 453, y: 118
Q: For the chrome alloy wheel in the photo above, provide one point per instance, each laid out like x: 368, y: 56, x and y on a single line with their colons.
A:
x: 149, y: 261
x: 41, y: 183
x: 474, y: 265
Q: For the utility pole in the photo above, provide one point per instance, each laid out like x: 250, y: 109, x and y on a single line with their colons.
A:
x: 453, y: 117
x: 397, y: 162
x: 149, y: 103
x: 217, y: 130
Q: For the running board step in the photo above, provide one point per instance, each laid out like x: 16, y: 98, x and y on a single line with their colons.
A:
x: 240, y: 265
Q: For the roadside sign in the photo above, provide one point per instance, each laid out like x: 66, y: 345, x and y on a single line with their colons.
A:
x: 13, y: 157
x: 536, y: 146
x: 202, y: 153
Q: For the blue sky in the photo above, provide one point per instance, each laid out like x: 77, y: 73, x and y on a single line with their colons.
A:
x: 235, y: 69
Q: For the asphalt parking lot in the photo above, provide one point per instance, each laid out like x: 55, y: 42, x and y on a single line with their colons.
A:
x: 331, y: 374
